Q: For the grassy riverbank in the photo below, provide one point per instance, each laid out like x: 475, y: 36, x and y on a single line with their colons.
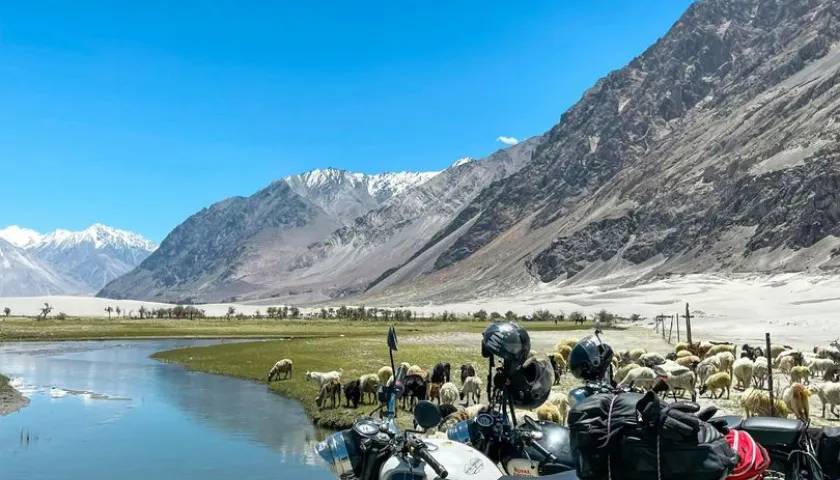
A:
x: 356, y: 354
x: 27, y: 328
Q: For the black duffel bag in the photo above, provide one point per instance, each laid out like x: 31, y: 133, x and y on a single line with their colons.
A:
x: 828, y: 452
x: 630, y: 436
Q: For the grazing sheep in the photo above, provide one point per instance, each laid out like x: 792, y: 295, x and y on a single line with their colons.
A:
x: 684, y: 353
x: 434, y: 392
x: 683, y: 381
x: 705, y: 369
x: 720, y: 381
x: 569, y: 342
x: 743, y: 371
x: 330, y: 389
x: 751, y: 352
x: 471, y: 390
x: 725, y: 361
x: 776, y: 350
x: 829, y: 394
x: 385, y: 374
x: 651, y: 359
x: 682, y: 347
x: 404, y: 366
x: 467, y: 370
x: 800, y: 374
x: 414, y: 389
x: 690, y: 361
x: 283, y: 367
x: 756, y: 402
x: 636, y: 353
x: 760, y: 369
x: 703, y: 348
x: 670, y: 367
x: 564, y: 351
x: 558, y: 365
x: 549, y: 412
x: 449, y: 393
x: 441, y: 373
x: 561, y: 401
x: 785, y: 364
x: 323, y: 377
x: 352, y: 394
x: 416, y: 370
x: 640, y: 377
x: 722, y: 347
x: 832, y: 353
x: 796, y: 397
x: 369, y: 384
x: 621, y: 373
x: 819, y: 366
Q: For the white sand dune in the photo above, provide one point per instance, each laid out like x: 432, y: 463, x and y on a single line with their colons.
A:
x: 798, y: 309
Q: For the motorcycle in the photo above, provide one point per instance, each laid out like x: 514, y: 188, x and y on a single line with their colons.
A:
x: 377, y: 449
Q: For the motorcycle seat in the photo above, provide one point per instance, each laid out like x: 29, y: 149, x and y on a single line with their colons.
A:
x: 771, y: 431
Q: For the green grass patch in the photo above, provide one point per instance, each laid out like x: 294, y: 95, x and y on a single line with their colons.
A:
x: 21, y: 328
x: 356, y: 355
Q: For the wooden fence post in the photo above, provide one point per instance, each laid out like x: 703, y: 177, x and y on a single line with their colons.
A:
x: 770, y: 376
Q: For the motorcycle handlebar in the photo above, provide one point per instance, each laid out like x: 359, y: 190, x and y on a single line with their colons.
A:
x: 423, y: 454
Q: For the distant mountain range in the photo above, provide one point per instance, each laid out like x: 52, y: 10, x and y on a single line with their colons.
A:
x: 715, y: 150
x: 66, y: 262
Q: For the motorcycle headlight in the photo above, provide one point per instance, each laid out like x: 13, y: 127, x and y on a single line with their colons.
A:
x: 460, y: 432
x: 334, y: 452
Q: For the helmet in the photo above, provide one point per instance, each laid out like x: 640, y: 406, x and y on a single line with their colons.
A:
x: 530, y: 384
x: 590, y: 359
x: 506, y: 340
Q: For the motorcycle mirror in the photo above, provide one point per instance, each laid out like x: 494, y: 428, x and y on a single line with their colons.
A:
x: 427, y: 414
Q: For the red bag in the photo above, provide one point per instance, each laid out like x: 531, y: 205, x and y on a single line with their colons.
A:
x: 753, y: 459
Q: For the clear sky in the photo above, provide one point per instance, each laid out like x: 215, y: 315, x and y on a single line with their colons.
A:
x: 138, y: 114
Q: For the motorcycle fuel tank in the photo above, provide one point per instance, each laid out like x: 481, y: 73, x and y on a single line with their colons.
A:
x: 462, y: 462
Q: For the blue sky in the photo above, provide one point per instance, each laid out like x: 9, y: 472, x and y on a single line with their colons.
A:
x: 138, y: 114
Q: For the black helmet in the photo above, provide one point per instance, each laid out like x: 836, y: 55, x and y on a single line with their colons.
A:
x: 506, y: 340
x: 590, y: 359
x: 531, y: 383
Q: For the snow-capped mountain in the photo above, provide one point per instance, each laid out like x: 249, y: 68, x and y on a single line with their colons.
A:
x: 346, y: 195
x: 68, y: 262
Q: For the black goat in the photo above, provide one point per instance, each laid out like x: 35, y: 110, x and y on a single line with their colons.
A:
x: 467, y: 370
x: 441, y: 373
x: 414, y: 389
x: 352, y: 393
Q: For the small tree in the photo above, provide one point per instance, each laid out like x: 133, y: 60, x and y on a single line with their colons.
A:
x: 7, y: 311
x: 510, y: 316
x: 542, y: 316
x: 230, y: 312
x: 604, y: 318
x: 495, y: 315
x: 119, y: 312
x: 45, y: 310
x: 294, y: 312
x: 109, y: 309
x: 480, y: 315
x: 142, y: 312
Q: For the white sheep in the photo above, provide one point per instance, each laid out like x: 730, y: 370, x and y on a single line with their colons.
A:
x: 796, y: 397
x: 471, y: 389
x: 829, y: 393
x: 722, y: 347
x: 785, y: 364
x: 760, y: 369
x: 368, y: 384
x: 683, y: 380
x: 819, y: 366
x: 725, y: 361
x: 622, y: 372
x: 743, y: 372
x: 641, y: 377
x: 283, y: 367
x: 324, y: 377
x: 416, y: 370
x: 561, y: 400
x: 449, y: 394
x: 800, y: 374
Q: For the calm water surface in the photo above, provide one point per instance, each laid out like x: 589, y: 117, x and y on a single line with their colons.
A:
x: 104, y: 410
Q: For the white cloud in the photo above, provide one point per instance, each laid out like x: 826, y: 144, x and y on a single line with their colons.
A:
x: 507, y: 140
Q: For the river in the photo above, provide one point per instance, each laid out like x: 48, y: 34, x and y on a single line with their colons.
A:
x: 105, y: 410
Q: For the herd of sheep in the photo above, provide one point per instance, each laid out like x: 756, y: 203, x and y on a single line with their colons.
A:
x: 698, y: 369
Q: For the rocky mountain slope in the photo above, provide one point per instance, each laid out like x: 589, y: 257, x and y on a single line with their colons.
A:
x: 717, y: 149
x: 66, y: 262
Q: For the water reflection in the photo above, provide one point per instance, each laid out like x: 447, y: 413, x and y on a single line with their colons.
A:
x: 104, y: 409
